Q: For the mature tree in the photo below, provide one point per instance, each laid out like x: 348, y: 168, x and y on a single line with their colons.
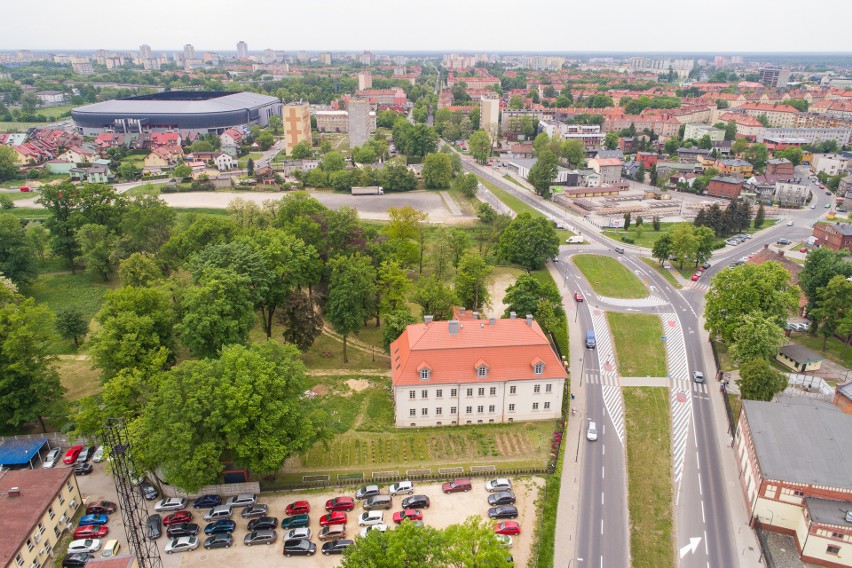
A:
x: 201, y: 232
x: 574, y: 152
x: 441, y: 253
x: 739, y: 146
x: 706, y: 240
x: 129, y: 171
x: 528, y: 294
x: 821, y: 265
x: 139, y: 269
x: 662, y: 249
x: 39, y: 239
x: 437, y: 171
x: 759, y: 381
x: 302, y: 321
x: 543, y: 172
x: 407, y: 545
x: 652, y: 174
x: 833, y: 311
x: 611, y: 141
x: 147, y: 224
x: 332, y: 162
x: 731, y: 131
x: 763, y: 289
x: 8, y: 162
x: 760, y: 217
x: 792, y: 153
x: 275, y: 124
x: 97, y: 246
x: 756, y: 337
x: 459, y: 243
x: 473, y: 543
x: 627, y: 218
x: 405, y: 233
x: 182, y: 171
x: 395, y: 324
x: 396, y: 176
x: 466, y: 184
x: 250, y: 167
x: 471, y: 285
x: 302, y: 151
x: 72, y: 324
x: 217, y: 311
x: 684, y: 243
x: 655, y: 222
x: 435, y: 298
x: 757, y: 154
x: 351, y: 290
x: 58, y: 201
x: 17, y: 255
x: 529, y: 241
x: 392, y: 286
x: 480, y: 146
x: 672, y: 145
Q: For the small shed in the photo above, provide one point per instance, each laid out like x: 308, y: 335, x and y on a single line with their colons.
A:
x: 799, y: 358
x: 21, y: 452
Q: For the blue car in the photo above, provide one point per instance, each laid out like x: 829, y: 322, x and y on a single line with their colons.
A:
x: 223, y: 526
x: 207, y: 502
x: 93, y: 520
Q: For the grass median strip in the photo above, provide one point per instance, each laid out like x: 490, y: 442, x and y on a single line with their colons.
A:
x: 608, y: 277
x: 510, y: 200
x: 663, y: 271
x: 649, y: 466
x: 638, y: 344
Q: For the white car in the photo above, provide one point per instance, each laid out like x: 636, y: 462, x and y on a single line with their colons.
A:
x: 170, y: 504
x: 505, y: 539
x: 182, y: 544
x: 499, y: 484
x: 110, y: 549
x: 298, y: 533
x: 592, y: 432
x: 698, y: 376
x: 400, y: 488
x: 99, y: 455
x: 242, y: 500
x: 84, y: 545
x: 51, y: 458
x: 380, y: 527
x: 369, y: 518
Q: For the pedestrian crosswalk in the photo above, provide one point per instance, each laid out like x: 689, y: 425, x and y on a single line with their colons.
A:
x: 608, y: 373
x: 647, y: 302
x: 681, y: 392
x: 678, y: 365
x: 701, y: 287
x: 595, y: 377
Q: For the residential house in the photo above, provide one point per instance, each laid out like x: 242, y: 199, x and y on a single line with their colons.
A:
x: 792, y: 191
x: 59, y: 167
x: 844, y: 188
x: 836, y: 236
x: 831, y: 164
x: 475, y: 371
x: 92, y: 174
x: 51, y: 98
x: 747, y: 127
x: 587, y: 177
x: 230, y: 141
x: 777, y: 115
x: 608, y: 168
x: 78, y: 155
x: 225, y: 162
x: 723, y: 148
x: 630, y: 169
x: 647, y: 159
x: 522, y: 167
x: 724, y: 186
x: 163, y: 157
x: 692, y: 154
x: 698, y: 131
x: 795, y: 470
x: 780, y: 167
x: 164, y: 138
x: 601, y: 153
x: 734, y: 166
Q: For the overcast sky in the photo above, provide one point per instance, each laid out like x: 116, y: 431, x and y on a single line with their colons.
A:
x: 436, y: 25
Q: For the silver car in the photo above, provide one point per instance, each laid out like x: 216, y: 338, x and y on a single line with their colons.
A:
x: 52, y: 457
x: 182, y: 544
x: 298, y: 533
x: 499, y: 484
x: 170, y: 504
x: 242, y: 500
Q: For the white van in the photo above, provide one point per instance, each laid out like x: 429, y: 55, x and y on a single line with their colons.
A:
x: 575, y: 240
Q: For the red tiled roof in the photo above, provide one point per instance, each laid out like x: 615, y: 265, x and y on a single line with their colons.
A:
x: 603, y: 162
x: 509, y: 346
x: 766, y: 107
x: 123, y: 561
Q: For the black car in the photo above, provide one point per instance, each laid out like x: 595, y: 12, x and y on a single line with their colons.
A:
x: 155, y: 527
x: 263, y: 523
x: 149, y: 492
x: 207, y: 502
x: 76, y: 560
x: 182, y: 529
x: 416, y: 502
x: 336, y: 546
x: 265, y: 536
x: 83, y: 469
x: 503, y: 512
x: 501, y: 498
x: 299, y: 547
x: 222, y: 540
x: 86, y: 454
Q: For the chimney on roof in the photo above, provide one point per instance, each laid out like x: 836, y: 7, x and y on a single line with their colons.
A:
x: 428, y: 319
x: 476, y: 315
x: 491, y: 321
x: 766, y: 245
x: 14, y: 492
x: 513, y: 315
x: 529, y: 320
x: 780, y: 254
x: 454, y: 327
x: 462, y: 310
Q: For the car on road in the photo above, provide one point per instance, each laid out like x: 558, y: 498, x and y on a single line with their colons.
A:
x: 299, y: 547
x: 266, y: 536
x: 783, y: 241
x: 503, y: 512
x: 170, y: 504
x: 296, y: 522
x: 368, y: 518
x: 412, y: 514
x: 263, y: 523
x: 99, y: 519
x: 416, y: 502
x: 207, y: 502
x: 155, y: 529
x: 507, y: 527
x: 340, y: 504
x: 501, y: 498
x: 331, y: 532
x: 76, y: 560
x: 110, y: 548
x: 101, y: 507
x: 789, y: 223
x: 499, y: 484
x: 182, y: 529
x: 99, y: 455
x: 457, y: 486
x: 178, y: 517
x: 256, y: 510
x: 84, y: 545
x: 297, y: 508
x: 221, y: 540
x: 804, y: 250
x: 91, y: 531
x: 828, y: 193
x: 51, y: 458
x: 401, y: 488
x: 298, y: 533
x: 366, y: 530
x: 72, y: 454
x: 696, y: 276
x: 242, y: 500
x: 592, y: 431
x: 83, y: 468
x: 813, y: 206
x: 182, y: 544
x: 367, y: 491
x: 333, y: 518
x: 218, y: 527
x: 619, y: 250
x: 698, y: 376
x: 578, y: 297
x: 336, y: 546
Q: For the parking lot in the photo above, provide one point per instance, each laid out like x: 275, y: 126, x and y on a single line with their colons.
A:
x: 444, y: 511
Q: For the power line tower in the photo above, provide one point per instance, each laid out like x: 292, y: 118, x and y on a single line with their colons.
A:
x: 134, y: 514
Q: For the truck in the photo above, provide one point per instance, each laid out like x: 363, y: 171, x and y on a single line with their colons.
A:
x: 590, y: 339
x: 368, y: 190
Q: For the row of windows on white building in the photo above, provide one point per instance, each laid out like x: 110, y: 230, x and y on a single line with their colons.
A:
x: 480, y: 391
x: 469, y: 409
x: 481, y: 371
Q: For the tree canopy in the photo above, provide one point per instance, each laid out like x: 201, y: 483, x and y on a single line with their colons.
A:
x: 529, y: 241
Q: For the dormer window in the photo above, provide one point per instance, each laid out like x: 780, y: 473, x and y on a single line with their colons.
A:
x: 538, y: 368
x: 424, y: 374
x: 482, y: 371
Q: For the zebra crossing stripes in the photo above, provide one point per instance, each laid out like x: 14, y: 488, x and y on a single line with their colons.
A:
x: 678, y: 364
x: 647, y: 302
x: 614, y: 403
x: 594, y: 377
x: 613, y: 399
x: 697, y: 286
x: 681, y: 402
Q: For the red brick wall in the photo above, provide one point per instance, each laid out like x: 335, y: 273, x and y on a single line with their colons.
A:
x: 722, y: 189
x: 844, y: 403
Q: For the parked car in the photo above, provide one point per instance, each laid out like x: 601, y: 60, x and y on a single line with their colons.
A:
x: 218, y: 527
x: 336, y: 546
x: 456, y: 486
x: 99, y: 455
x: 178, y: 517
x: 182, y: 544
x: 332, y: 532
x: 499, y: 484
x: 101, y: 507
x: 804, y: 250
x: 299, y: 547
x: 219, y: 513
x: 380, y: 528
x: 99, y: 519
x: 298, y: 533
x: 266, y: 536
x: 149, y: 492
x: 297, y: 508
x: 505, y: 540
x: 220, y: 540
x: 368, y: 518
x: 340, y: 504
x: 367, y: 491
x: 501, y: 498
x: 378, y: 502
x: 170, y: 504
x: 110, y: 548
x: 705, y: 266
x: 416, y: 502
x: 51, y: 458
x: 592, y: 431
x: 72, y: 454
x: 263, y: 523
x: 333, y: 518
x: 578, y: 297
x: 155, y: 530
x: 242, y: 500
x: 698, y: 376
x: 84, y: 545
x: 256, y: 510
x: 401, y: 488
x: 182, y: 529
x: 783, y: 241
x: 412, y: 514
x: 503, y: 512
x: 207, y: 502
x: 76, y: 560
x: 83, y: 468
x: 91, y: 531
x: 507, y: 527
x: 296, y: 522
x: 696, y: 276
x: 86, y: 454
x: 731, y: 242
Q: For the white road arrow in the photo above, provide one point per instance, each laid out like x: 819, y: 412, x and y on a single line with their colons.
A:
x: 691, y: 547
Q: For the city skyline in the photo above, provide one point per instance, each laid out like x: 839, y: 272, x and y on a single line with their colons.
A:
x: 447, y: 26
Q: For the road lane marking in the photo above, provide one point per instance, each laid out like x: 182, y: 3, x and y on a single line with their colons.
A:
x: 703, y: 519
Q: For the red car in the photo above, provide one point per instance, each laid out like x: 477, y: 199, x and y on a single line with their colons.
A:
x: 334, y: 518
x: 297, y: 508
x: 71, y: 454
x: 178, y: 517
x: 696, y: 276
x: 507, y: 527
x: 91, y: 531
x: 578, y: 296
x: 340, y: 504
x: 101, y: 508
x: 410, y: 514
x: 804, y: 250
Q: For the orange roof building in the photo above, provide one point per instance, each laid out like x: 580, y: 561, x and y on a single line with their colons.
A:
x: 475, y: 371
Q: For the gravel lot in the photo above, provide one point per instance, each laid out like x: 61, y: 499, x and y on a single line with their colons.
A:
x: 445, y: 510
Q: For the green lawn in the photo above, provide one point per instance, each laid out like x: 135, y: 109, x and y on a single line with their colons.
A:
x: 147, y: 189
x: 664, y: 271
x: 20, y: 126
x: 649, y: 481
x: 608, y: 277
x: 244, y: 160
x: 643, y: 236
x: 78, y: 377
x: 56, y: 112
x: 835, y: 349
x: 638, y: 344
x: 510, y: 200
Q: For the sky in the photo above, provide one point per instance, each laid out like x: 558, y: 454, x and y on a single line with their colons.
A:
x: 530, y: 26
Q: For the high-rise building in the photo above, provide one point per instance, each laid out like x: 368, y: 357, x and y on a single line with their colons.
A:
x: 489, y: 117
x: 365, y: 80
x: 145, y: 51
x: 242, y: 50
x: 774, y: 76
x: 297, y: 124
x: 325, y: 58
x: 359, y: 122
x: 188, y: 52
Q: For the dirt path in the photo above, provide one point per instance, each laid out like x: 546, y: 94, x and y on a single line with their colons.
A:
x: 352, y: 342
x: 497, y: 289
x: 345, y: 372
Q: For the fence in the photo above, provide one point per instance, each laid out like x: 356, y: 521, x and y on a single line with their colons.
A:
x: 732, y: 422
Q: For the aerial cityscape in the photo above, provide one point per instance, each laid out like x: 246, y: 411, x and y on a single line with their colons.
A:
x: 424, y: 290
